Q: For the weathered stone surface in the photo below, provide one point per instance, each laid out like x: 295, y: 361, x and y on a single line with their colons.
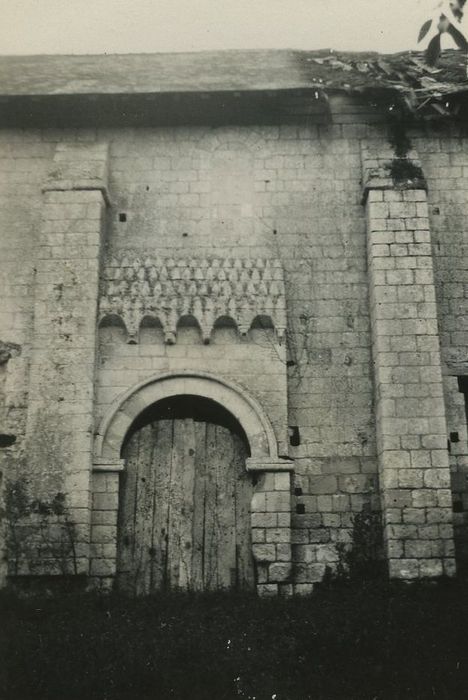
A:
x: 248, y: 197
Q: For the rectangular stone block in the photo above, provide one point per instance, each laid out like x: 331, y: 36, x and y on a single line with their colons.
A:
x: 262, y: 520
x: 280, y: 534
x: 279, y: 501
x: 418, y: 549
x: 105, y: 501
x: 258, y: 502
x: 267, y: 590
x: 258, y: 535
x: 282, y: 482
x: 404, y: 568
x: 431, y: 568
x: 323, y: 484
x: 102, y: 567
x: 308, y: 573
x: 103, y: 533
x: 283, y: 552
x: 279, y: 571
x: 264, y: 552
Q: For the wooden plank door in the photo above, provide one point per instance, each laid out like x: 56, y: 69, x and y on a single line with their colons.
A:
x: 184, y: 516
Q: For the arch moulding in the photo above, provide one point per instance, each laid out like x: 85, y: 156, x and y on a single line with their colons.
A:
x: 246, y: 409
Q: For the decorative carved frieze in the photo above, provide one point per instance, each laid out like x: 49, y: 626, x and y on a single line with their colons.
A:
x: 138, y: 286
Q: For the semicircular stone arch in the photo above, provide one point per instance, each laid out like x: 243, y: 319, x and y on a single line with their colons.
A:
x: 246, y: 410
x: 270, y: 506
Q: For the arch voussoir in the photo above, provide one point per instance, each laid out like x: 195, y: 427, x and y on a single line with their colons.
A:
x: 251, y: 416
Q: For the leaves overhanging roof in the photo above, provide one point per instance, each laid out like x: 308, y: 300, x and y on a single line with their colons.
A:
x: 402, y: 77
x: 421, y: 88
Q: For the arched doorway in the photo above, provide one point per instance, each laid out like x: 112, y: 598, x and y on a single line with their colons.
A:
x: 184, y: 504
x: 270, y: 505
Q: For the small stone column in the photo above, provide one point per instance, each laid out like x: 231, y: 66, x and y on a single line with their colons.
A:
x: 59, y: 431
x: 271, y: 525
x: 104, y: 514
x: 409, y: 402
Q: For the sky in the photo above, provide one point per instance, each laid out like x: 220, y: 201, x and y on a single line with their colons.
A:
x: 149, y: 26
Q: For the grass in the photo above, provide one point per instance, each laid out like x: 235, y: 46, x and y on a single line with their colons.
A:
x: 372, y: 641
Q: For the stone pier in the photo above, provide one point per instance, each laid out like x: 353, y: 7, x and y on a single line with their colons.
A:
x: 410, y: 412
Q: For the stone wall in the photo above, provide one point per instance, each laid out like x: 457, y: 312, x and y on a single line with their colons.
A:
x: 24, y: 162
x: 55, y: 464
x: 444, y: 157
x: 286, y: 192
x: 292, y: 193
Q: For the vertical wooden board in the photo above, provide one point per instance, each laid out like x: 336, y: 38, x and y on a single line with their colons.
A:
x: 198, y: 532
x: 210, y: 561
x: 225, y: 510
x: 126, y: 517
x: 243, y: 496
x: 162, y: 456
x: 184, y: 514
x: 144, y: 511
x: 175, y: 503
x: 186, y: 508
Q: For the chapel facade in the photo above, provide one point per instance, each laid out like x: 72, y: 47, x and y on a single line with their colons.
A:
x: 233, y: 335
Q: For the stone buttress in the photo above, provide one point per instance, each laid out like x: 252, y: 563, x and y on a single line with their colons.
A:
x: 59, y: 432
x: 409, y: 403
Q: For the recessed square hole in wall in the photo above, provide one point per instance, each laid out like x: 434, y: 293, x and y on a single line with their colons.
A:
x: 454, y: 437
x: 294, y: 436
x: 300, y: 509
x: 458, y: 506
x: 122, y: 217
x: 7, y: 440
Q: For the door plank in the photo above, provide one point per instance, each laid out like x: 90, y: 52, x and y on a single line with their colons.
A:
x: 225, y: 510
x: 126, y: 520
x: 242, y: 499
x: 175, y: 503
x: 210, y: 551
x: 144, y: 511
x: 198, y: 543
x: 162, y: 454
x: 186, y: 508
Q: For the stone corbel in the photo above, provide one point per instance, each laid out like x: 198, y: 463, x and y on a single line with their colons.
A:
x: 101, y: 464
x: 269, y: 464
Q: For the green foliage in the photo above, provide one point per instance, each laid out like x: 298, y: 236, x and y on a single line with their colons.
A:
x: 17, y: 503
x: 39, y: 532
x: 405, y: 172
x: 362, y: 560
x: 358, y: 641
x: 446, y: 22
x: 398, y: 136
